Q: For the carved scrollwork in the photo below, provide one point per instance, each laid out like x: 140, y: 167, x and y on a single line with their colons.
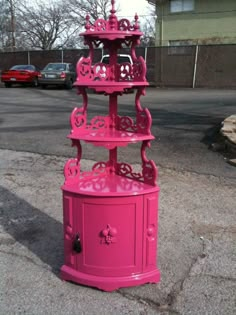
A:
x: 105, y: 72
x: 125, y: 123
x: 99, y: 122
x: 143, y: 121
x: 125, y: 71
x: 100, y: 167
x: 143, y: 116
x: 84, y: 69
x: 125, y: 169
x: 96, y: 183
x: 72, y: 171
x: 124, y: 25
x: 139, y: 70
x: 149, y: 170
x: 149, y: 167
x: 100, y: 25
x: 101, y: 71
x: 78, y: 119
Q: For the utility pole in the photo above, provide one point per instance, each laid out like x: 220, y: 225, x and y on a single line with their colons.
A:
x: 13, y: 25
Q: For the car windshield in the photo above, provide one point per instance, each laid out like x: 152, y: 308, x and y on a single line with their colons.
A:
x: 22, y: 67
x: 120, y: 59
x: 55, y: 67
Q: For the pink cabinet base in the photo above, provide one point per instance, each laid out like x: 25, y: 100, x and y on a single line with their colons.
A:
x: 116, y: 237
x: 109, y: 283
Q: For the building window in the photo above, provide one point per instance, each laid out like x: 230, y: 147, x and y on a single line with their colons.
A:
x: 180, y: 47
x: 181, y: 6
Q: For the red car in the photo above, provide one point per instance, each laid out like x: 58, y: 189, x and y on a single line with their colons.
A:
x: 23, y: 74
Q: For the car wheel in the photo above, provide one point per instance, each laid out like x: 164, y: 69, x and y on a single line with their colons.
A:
x: 43, y: 86
x: 69, y: 85
x: 7, y: 84
x: 35, y: 82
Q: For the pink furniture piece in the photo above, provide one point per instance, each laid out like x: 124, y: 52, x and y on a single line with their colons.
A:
x: 110, y: 212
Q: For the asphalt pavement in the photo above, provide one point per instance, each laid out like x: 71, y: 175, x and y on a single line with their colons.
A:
x: 196, y: 247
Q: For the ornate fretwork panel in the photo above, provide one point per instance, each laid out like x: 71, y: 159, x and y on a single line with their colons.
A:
x: 143, y: 118
x: 148, y: 174
x: 121, y: 72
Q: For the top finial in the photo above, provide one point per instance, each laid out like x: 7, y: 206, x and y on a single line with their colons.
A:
x: 112, y: 17
x: 136, y: 24
x: 87, y: 25
x: 113, y: 10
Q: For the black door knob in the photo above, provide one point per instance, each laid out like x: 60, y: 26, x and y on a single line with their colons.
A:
x: 77, y: 244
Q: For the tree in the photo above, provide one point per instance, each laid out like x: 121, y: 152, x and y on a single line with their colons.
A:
x: 3, y: 24
x: 149, y: 29
x: 45, y: 26
x: 78, y: 9
x: 7, y: 24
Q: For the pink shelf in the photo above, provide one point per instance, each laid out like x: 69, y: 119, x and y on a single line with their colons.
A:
x: 109, y: 86
x: 110, y: 185
x: 111, y: 35
x: 113, y: 84
x: 109, y: 135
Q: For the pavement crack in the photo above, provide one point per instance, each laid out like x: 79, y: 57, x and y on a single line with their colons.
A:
x: 216, y: 277
x: 179, y: 285
x: 150, y: 303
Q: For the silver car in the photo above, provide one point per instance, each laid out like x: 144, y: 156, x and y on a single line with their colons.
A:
x: 62, y: 74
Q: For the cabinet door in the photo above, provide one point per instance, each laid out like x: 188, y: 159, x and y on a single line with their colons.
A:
x: 150, y: 224
x: 111, y: 235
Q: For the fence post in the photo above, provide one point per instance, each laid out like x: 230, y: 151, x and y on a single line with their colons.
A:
x: 195, y: 66
x: 28, y: 57
x: 145, y: 54
x: 62, y: 56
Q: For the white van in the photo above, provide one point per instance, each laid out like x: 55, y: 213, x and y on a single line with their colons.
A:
x: 121, y: 58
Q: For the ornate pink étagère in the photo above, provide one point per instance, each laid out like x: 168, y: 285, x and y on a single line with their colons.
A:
x: 110, y: 212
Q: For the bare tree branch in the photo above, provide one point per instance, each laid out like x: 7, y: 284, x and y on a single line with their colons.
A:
x: 78, y: 9
x: 45, y: 26
x: 149, y: 29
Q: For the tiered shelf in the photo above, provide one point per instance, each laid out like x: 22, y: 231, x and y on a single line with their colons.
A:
x: 110, y: 212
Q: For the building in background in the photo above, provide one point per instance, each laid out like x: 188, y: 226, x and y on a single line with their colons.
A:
x: 195, y: 22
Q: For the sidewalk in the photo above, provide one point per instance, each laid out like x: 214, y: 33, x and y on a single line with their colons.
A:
x: 196, y: 252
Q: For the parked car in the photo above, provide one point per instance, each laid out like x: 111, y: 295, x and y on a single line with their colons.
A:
x: 62, y: 74
x: 23, y: 74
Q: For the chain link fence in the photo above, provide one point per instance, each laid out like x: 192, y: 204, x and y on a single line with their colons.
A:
x: 212, y: 66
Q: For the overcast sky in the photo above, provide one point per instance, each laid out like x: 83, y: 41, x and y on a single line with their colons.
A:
x: 130, y: 7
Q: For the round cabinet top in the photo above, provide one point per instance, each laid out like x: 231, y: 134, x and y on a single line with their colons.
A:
x: 110, y: 186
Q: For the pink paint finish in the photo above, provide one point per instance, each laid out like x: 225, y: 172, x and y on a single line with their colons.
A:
x: 118, y: 240
x: 110, y: 212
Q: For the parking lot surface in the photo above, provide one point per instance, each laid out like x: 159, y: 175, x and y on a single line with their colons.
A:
x: 196, y: 253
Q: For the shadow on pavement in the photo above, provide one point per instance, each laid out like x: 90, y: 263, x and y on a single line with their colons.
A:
x: 32, y: 228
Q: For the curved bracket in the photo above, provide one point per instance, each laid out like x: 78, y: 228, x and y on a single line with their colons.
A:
x: 149, y: 169
x: 72, y: 171
x: 143, y: 116
x: 78, y: 117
